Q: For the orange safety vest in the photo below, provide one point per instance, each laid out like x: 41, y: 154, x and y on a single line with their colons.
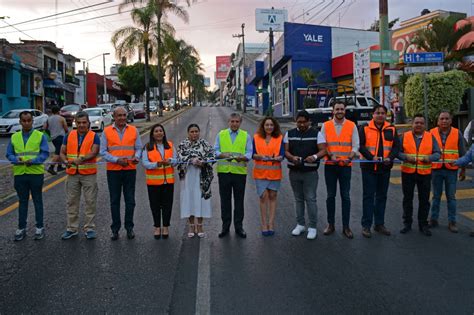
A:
x: 90, y: 166
x: 449, y: 151
x: 372, y: 139
x: 124, y: 148
x: 270, y: 170
x: 163, y: 174
x: 339, y: 145
x: 425, y: 149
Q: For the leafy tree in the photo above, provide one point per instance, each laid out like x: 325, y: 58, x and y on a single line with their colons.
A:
x: 442, y: 36
x: 445, y: 91
x: 310, y: 76
x: 375, y: 26
x: 133, y: 78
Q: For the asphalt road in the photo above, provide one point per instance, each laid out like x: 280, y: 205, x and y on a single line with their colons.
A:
x: 281, y: 274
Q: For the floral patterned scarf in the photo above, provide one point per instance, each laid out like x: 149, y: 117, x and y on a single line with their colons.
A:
x: 201, y: 149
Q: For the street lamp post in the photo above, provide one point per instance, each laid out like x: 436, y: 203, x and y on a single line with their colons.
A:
x: 105, y: 98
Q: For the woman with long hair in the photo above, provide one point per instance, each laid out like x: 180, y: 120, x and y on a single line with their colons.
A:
x: 268, y: 152
x: 195, y: 174
x: 157, y: 159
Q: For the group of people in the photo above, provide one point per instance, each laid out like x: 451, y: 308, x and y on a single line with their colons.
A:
x: 429, y: 159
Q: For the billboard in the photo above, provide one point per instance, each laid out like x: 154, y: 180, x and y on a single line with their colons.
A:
x: 362, y: 75
x: 207, y: 81
x: 270, y: 18
x: 222, y: 67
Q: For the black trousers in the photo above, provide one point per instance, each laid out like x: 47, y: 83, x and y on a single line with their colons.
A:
x: 423, y: 184
x: 161, y: 203
x: 117, y: 180
x: 228, y: 184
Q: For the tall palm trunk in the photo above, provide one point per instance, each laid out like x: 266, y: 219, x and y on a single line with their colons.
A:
x: 147, y: 81
x: 175, y: 74
x: 158, y: 71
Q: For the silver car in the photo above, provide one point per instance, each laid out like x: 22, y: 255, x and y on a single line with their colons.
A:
x: 10, y: 121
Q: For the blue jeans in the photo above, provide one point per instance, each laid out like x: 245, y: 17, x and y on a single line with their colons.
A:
x: 304, y: 185
x: 449, y: 178
x: 332, y: 174
x: 375, y: 188
x: 117, y: 180
x: 24, y: 184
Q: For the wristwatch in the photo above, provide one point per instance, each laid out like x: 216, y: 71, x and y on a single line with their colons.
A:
x: 315, y: 157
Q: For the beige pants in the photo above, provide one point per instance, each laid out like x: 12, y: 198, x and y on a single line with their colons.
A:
x: 74, y: 185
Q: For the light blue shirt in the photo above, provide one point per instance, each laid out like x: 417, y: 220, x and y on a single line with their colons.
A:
x: 104, y: 150
x: 42, y: 155
x: 152, y: 165
x: 233, y: 136
x: 467, y: 158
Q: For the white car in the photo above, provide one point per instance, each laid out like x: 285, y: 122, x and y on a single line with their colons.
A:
x: 99, y: 118
x: 10, y: 121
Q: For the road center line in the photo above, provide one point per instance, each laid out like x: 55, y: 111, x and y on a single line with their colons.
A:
x: 203, y: 286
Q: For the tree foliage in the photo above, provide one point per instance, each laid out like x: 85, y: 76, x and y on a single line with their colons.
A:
x: 445, y: 91
x: 441, y: 36
x: 133, y: 78
x: 375, y: 26
x: 310, y: 76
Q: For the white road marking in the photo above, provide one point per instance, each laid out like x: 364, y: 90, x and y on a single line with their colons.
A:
x: 203, y: 287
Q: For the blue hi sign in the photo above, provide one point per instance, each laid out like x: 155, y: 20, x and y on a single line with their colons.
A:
x: 423, y: 57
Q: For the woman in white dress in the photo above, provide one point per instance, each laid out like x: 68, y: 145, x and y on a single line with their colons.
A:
x: 195, y: 179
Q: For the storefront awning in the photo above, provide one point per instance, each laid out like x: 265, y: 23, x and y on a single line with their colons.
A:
x: 56, y: 84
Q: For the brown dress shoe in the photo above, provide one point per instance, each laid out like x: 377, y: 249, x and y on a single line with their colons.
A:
x: 452, y: 227
x: 348, y: 233
x: 382, y: 230
x: 329, y: 229
x: 366, y: 233
x: 433, y: 223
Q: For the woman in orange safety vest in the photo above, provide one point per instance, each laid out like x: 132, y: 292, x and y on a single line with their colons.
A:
x: 268, y: 152
x: 157, y: 159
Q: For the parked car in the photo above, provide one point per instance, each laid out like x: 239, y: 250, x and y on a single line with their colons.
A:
x: 154, y: 107
x: 108, y: 107
x: 138, y: 110
x: 69, y: 111
x: 10, y: 121
x: 130, y: 116
x: 99, y: 118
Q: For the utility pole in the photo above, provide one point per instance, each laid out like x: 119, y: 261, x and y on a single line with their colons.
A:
x: 242, y: 35
x: 105, y: 79
x: 84, y: 70
x: 270, y: 80
x: 384, y: 38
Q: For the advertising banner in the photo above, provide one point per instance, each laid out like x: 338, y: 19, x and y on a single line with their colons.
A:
x: 362, y: 77
x: 270, y: 18
x: 222, y: 67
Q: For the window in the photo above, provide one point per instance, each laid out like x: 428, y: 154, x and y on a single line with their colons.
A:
x: 24, y: 84
x: 284, y: 71
x: 3, y: 81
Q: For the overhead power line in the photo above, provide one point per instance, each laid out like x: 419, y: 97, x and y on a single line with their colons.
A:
x: 332, y: 12
x: 60, y: 13
x: 322, y: 10
x: 68, y: 23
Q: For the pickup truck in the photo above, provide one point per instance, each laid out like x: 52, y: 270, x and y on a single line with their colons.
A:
x: 359, y: 108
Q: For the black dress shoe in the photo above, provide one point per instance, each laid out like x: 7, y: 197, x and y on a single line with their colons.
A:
x: 425, y: 230
x: 223, y: 233
x: 406, y: 229
x: 130, y: 234
x: 165, y: 236
x: 240, y: 232
x: 115, y: 236
x: 157, y: 236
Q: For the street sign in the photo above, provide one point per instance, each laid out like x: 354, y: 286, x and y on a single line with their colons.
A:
x: 423, y: 57
x: 425, y: 69
x: 270, y: 18
x: 393, y: 72
x: 384, y: 56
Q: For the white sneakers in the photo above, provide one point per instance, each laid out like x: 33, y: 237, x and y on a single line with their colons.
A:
x: 299, y: 229
x: 312, y: 233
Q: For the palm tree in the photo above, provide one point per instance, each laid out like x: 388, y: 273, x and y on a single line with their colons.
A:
x: 177, y: 61
x: 442, y: 36
x: 309, y: 76
x: 130, y: 40
x: 162, y: 9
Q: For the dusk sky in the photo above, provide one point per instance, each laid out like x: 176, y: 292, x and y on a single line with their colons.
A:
x: 211, y: 25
